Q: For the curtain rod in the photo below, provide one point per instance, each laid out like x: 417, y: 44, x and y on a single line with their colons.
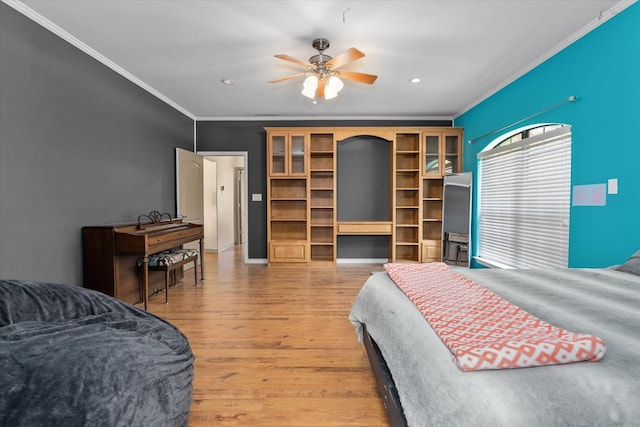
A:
x: 572, y: 98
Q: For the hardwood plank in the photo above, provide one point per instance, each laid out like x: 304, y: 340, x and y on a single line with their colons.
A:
x: 274, y: 346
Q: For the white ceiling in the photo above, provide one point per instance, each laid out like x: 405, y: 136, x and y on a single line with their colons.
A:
x: 181, y: 49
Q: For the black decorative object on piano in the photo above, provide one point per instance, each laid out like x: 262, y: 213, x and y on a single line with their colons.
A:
x: 154, y: 217
x: 111, y: 252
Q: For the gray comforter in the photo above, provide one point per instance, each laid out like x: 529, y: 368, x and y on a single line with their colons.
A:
x: 434, y: 392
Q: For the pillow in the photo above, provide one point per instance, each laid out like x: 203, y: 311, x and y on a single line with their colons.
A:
x: 632, y: 265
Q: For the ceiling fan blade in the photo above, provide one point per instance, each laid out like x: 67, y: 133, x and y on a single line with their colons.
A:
x: 358, y: 77
x: 349, y: 55
x: 287, y: 78
x: 320, y: 91
x: 294, y: 60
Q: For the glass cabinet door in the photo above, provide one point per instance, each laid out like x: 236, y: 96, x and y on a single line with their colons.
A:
x: 452, y: 160
x: 431, y: 154
x: 298, y: 166
x: 442, y: 152
x: 277, y: 159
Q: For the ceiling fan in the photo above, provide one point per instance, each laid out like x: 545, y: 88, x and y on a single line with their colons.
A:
x: 323, y: 77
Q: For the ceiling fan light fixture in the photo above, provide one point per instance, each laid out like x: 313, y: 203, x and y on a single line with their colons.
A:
x: 322, y: 71
x: 309, y: 86
x: 334, y: 85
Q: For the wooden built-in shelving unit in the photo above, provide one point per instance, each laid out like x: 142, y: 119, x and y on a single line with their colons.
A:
x: 322, y: 197
x: 406, y: 236
x: 302, y: 185
x: 287, y: 198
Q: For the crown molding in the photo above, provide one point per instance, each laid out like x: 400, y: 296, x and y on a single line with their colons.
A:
x: 318, y: 118
x: 601, y: 19
x: 39, y: 19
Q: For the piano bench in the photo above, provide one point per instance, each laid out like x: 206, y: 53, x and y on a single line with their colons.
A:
x: 169, y: 261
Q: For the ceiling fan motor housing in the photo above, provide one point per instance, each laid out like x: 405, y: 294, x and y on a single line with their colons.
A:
x: 319, y: 60
x: 320, y: 44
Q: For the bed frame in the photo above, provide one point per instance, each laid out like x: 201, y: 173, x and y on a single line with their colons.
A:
x: 386, y: 386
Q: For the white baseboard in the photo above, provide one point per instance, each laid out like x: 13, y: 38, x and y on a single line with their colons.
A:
x: 362, y: 260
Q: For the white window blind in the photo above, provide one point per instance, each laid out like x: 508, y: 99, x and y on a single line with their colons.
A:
x: 524, y: 201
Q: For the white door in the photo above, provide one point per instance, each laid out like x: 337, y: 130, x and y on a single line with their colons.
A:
x: 190, y: 189
x: 190, y: 186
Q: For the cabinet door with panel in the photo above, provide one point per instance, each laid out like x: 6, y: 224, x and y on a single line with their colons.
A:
x: 287, y: 154
x: 442, y: 151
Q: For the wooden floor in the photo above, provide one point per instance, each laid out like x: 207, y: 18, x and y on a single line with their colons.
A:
x: 274, y: 346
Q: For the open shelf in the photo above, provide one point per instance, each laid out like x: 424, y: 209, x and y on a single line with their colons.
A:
x: 321, y: 143
x: 289, y: 230
x: 407, y: 216
x: 289, y: 210
x: 432, y: 230
x: 322, y: 216
x: 322, y: 161
x: 408, y: 161
x: 407, y: 179
x: 288, y: 188
x: 321, y: 235
x: 322, y: 253
x: 407, y: 253
x: 321, y: 198
x: 407, y: 198
x: 408, y: 142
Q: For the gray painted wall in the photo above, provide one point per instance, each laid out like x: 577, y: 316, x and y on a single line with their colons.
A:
x: 251, y: 137
x: 363, y: 183
x: 79, y: 145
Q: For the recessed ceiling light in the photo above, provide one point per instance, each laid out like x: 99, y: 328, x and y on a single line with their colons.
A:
x: 415, y: 80
x: 227, y: 81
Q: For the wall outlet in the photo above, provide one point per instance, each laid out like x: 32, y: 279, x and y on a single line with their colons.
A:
x: 612, y: 186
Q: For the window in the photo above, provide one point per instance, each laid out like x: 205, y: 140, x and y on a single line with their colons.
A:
x: 524, y: 186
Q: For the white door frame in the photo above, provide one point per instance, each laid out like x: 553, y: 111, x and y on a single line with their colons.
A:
x: 239, y: 208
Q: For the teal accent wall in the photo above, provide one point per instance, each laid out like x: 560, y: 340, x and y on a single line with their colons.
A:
x: 602, y: 69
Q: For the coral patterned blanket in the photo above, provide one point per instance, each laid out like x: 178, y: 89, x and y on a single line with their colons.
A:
x: 483, y: 330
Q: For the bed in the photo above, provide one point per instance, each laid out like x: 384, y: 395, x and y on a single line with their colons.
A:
x: 70, y: 356
x: 422, y: 386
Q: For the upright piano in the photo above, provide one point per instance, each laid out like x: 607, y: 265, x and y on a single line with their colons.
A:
x: 111, y: 253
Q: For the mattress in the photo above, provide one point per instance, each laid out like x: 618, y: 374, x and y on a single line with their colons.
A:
x: 433, y: 391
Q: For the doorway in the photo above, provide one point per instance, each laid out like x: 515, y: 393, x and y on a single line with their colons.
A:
x: 225, y: 200
x: 224, y: 197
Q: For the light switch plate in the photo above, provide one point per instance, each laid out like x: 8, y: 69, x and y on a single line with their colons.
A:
x: 256, y: 197
x: 612, y: 187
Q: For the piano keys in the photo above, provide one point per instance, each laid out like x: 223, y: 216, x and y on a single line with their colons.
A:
x: 111, y: 252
